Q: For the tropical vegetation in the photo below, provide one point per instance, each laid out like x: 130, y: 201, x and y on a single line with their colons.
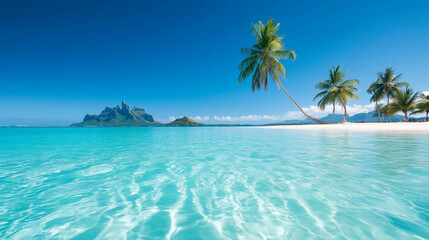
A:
x: 262, y: 63
x: 336, y: 90
x: 403, y: 101
x: 263, y: 59
x: 376, y: 96
x: 382, y: 111
x: 387, y: 84
x: 422, y: 106
x: 184, y: 121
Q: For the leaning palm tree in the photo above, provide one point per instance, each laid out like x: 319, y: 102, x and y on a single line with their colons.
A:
x: 376, y: 96
x: 336, y: 90
x: 423, y: 106
x: 403, y: 101
x: 262, y: 59
x: 387, y: 82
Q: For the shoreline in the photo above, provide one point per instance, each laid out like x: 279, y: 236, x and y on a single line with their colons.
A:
x: 414, y: 127
x: 411, y: 127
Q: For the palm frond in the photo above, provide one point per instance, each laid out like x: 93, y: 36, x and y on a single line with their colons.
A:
x: 404, y: 100
x: 262, y: 59
x: 321, y: 94
x: 277, y: 66
x: 417, y: 112
x: 350, y: 82
x: 284, y: 54
x: 247, y: 61
x: 336, y: 89
x: 247, y: 71
x: 249, y: 51
x: 402, y: 84
x: 323, y: 85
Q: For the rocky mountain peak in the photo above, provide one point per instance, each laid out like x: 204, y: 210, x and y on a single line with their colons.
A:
x: 125, y: 111
x: 123, y: 116
x: 125, y: 106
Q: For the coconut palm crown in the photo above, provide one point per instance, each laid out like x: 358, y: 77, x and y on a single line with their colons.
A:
x: 387, y: 83
x: 403, y: 101
x: 263, y: 59
x: 336, y: 90
x: 423, y: 106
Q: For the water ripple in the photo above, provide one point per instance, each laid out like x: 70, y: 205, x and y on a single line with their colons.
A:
x: 212, y: 183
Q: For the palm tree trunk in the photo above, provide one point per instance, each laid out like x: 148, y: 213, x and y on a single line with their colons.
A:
x: 333, y: 105
x: 427, y: 117
x: 378, y: 111
x: 345, y: 112
x: 406, y: 116
x: 305, y: 114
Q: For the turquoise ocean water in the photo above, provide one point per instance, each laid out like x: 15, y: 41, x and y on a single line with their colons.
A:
x: 212, y: 183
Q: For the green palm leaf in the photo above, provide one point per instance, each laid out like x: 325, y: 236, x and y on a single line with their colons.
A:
x: 336, y: 90
x: 388, y: 83
x: 262, y: 59
x: 403, y: 101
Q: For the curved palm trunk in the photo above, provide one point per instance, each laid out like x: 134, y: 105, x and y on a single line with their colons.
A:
x: 427, y: 116
x: 305, y: 114
x: 406, y: 115
x: 333, y: 111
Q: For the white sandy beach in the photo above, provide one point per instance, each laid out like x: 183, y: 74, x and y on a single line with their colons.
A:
x: 414, y: 127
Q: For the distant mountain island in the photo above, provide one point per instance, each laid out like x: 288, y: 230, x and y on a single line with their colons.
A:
x: 124, y: 117
x: 138, y: 117
x: 360, y: 117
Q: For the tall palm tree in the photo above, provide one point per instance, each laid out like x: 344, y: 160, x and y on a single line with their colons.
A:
x: 403, y: 101
x: 336, y: 90
x: 423, y: 106
x: 326, y: 96
x: 376, y: 96
x: 387, y: 82
x: 262, y: 59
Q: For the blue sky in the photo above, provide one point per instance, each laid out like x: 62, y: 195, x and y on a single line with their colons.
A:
x: 62, y: 59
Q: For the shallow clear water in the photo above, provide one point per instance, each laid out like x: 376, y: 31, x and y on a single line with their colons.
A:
x: 212, y: 183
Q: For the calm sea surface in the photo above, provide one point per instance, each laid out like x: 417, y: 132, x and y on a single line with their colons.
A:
x: 212, y: 183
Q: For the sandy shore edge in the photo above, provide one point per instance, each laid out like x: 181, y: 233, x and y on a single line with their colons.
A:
x: 422, y: 127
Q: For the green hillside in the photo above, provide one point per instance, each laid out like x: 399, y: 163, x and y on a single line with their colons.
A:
x: 184, y: 121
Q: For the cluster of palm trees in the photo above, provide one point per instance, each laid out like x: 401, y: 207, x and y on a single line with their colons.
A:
x: 263, y: 62
x: 404, y: 100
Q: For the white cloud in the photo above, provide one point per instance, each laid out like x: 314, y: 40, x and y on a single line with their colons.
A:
x: 199, y: 118
x: 426, y: 93
x: 313, y: 111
